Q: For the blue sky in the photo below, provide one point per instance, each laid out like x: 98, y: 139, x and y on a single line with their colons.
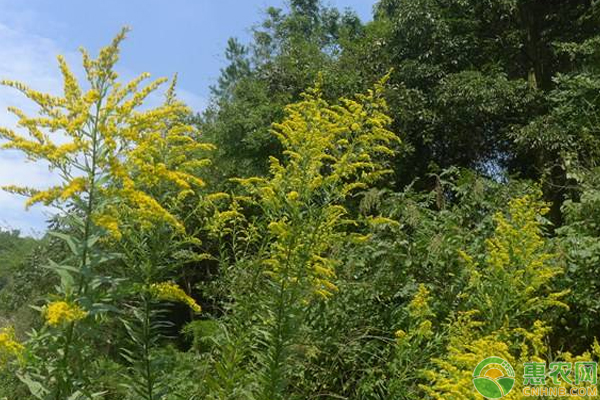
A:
x: 183, y: 36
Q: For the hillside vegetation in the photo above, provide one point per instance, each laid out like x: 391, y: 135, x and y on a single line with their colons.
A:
x: 365, y: 211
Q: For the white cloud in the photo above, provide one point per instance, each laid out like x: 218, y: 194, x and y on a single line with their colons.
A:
x: 30, y: 59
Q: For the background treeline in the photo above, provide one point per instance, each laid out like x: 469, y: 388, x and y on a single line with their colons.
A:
x: 321, y: 275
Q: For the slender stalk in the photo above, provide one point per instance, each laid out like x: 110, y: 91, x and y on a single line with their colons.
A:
x: 279, y: 336
x: 147, y: 361
x: 64, y: 382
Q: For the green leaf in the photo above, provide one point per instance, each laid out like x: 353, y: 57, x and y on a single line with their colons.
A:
x: 69, y: 240
x: 35, y: 388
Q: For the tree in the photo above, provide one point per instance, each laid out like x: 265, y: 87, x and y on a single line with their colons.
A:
x: 239, y: 67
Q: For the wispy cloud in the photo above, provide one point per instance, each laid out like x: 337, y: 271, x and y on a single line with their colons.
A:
x: 32, y: 59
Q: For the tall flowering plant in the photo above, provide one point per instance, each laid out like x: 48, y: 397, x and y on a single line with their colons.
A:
x: 505, y: 295
x: 122, y: 167
x: 331, y: 152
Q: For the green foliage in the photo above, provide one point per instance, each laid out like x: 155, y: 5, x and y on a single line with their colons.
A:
x: 22, y: 275
x: 239, y: 68
x: 578, y: 240
x: 14, y: 250
x: 322, y: 244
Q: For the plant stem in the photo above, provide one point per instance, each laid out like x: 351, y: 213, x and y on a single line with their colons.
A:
x: 64, y: 382
x: 147, y: 361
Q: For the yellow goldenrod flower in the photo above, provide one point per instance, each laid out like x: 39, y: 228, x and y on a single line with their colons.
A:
x: 136, y: 153
x: 171, y: 292
x: 513, y: 281
x: 419, y: 306
x: 424, y: 329
x: 293, y: 195
x: 400, y: 335
x: 382, y: 221
x: 74, y: 187
x: 466, y: 257
x: 59, y: 312
x: 517, y: 261
x: 110, y: 223
x: 329, y: 153
x: 9, y: 346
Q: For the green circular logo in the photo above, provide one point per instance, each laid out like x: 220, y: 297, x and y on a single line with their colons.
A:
x: 494, y: 377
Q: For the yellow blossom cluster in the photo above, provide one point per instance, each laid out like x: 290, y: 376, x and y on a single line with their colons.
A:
x: 160, y: 164
x: 513, y: 283
x: 105, y: 147
x: 419, y: 305
x: 171, y: 292
x: 400, y: 334
x: 468, y: 346
x: 518, y: 236
x: 589, y: 355
x: 330, y: 151
x: 298, y: 252
x: 517, y: 262
x: 9, y: 346
x: 110, y: 223
x: 59, y: 312
x: 222, y: 220
x: 329, y: 146
x: 420, y: 314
